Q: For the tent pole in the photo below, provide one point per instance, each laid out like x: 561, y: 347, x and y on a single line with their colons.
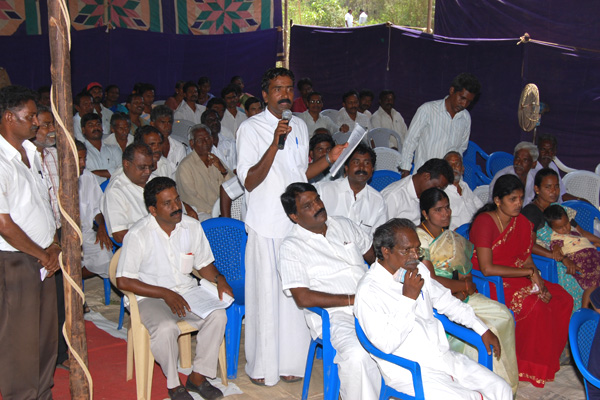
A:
x: 286, y: 33
x: 429, y: 15
x: 58, y: 29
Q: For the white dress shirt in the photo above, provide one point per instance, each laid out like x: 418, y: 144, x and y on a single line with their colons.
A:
x: 529, y: 192
x: 122, y: 203
x: 395, y: 122
x: 155, y: 258
x: 265, y: 212
x: 184, y: 111
x: 50, y: 172
x: 322, y: 122
x: 433, y: 133
x: 367, y: 210
x: 24, y: 194
x: 165, y: 168
x: 112, y: 140
x: 402, y: 201
x: 344, y: 118
x: 226, y: 152
x: 362, y: 18
x: 231, y: 123
x: 463, y: 206
x: 177, y: 151
x: 109, y: 158
x: 349, y: 19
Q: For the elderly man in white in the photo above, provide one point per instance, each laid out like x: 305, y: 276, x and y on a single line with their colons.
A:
x: 321, y: 261
x: 394, y: 305
x: 526, y: 155
x: 463, y: 202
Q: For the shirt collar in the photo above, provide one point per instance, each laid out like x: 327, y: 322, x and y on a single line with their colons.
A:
x: 7, y: 149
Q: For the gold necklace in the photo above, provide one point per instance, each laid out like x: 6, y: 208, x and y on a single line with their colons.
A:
x: 424, y: 226
x: 500, y: 222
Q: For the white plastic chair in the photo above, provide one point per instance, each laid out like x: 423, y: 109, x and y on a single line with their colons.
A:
x: 381, y: 137
x: 331, y: 113
x: 158, y: 103
x: 585, y: 184
x: 598, y: 169
x: 181, y: 129
x: 483, y: 192
x: 341, y: 137
x: 562, y: 166
x: 387, y: 159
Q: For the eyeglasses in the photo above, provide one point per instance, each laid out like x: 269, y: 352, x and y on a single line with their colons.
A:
x: 47, y: 125
x: 315, y: 101
x: 417, y: 251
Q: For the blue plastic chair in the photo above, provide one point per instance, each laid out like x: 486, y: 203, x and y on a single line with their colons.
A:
x: 227, y: 238
x: 331, y: 380
x: 382, y: 178
x: 586, y: 214
x: 473, y: 174
x: 497, y: 161
x: 582, y: 329
x: 548, y: 268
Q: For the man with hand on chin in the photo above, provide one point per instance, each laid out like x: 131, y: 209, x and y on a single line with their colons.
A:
x: 277, y: 337
x: 159, y: 253
x: 394, y: 305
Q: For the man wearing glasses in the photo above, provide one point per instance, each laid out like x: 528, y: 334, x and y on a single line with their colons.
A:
x: 313, y: 118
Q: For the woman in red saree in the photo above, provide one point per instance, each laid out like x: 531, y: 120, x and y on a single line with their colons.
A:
x: 503, y: 241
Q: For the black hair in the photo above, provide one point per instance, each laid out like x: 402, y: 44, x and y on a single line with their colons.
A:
x: 14, y: 96
x: 273, y: 73
x: 154, y: 187
x: 348, y: 94
x: 79, y: 96
x: 251, y: 101
x: 43, y: 109
x: 140, y: 147
x: 202, y: 80
x: 43, y: 89
x: 132, y: 96
x: 429, y: 199
x: 145, y: 87
x: 146, y: 130
x: 235, y: 78
x: 216, y: 100
x: 288, y: 198
x: 111, y: 86
x: 366, y: 93
x: 362, y: 149
x: 89, y: 117
x: 546, y: 137
x: 466, y: 81
x: 384, y: 93
x: 553, y: 213
x: 119, y: 116
x: 304, y: 81
x: 80, y: 145
x: 437, y: 167
x: 315, y: 93
x: 231, y: 88
x: 385, y: 235
x: 504, y: 186
x: 320, y: 138
x: 206, y: 113
x: 542, y: 173
x: 161, y: 111
x: 188, y: 85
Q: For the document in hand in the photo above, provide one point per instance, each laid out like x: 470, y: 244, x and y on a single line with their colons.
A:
x: 204, y: 299
x: 355, y: 137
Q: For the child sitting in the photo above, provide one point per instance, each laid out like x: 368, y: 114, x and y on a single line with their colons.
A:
x: 578, y: 246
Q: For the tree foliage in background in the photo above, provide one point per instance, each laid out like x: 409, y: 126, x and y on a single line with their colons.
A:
x: 331, y: 13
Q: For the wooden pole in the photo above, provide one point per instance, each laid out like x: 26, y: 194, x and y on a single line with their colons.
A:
x: 429, y: 15
x: 58, y: 29
x: 286, y: 35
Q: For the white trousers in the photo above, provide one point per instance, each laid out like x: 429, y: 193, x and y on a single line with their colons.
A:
x: 161, y: 323
x: 276, y: 335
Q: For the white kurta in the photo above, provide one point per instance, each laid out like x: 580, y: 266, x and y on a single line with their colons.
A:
x: 407, y: 328
x: 433, y: 133
x: 184, y: 111
x: 321, y: 122
x: 177, y: 151
x: 395, y: 122
x: 112, y: 140
x: 402, y: 201
x: 122, y: 204
x: 367, y: 210
x: 344, y: 118
x: 529, y: 192
x: 95, y: 258
x: 333, y: 264
x: 276, y: 335
x: 226, y: 152
x: 463, y: 206
x: 231, y: 123
x: 165, y: 168
x: 109, y: 157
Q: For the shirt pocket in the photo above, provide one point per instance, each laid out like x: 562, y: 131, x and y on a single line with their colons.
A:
x: 186, y: 263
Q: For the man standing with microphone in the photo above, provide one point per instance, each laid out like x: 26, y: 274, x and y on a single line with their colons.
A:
x: 272, y: 153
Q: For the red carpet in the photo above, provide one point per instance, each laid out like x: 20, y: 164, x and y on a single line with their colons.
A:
x: 107, y: 363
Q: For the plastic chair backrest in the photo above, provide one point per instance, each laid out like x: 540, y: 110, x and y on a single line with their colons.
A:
x: 341, y: 137
x: 584, y: 184
x: 483, y: 192
x: 597, y: 169
x: 380, y: 137
x: 470, y: 155
x: 582, y: 330
x: 388, y: 159
x: 382, y: 178
x: 331, y: 113
x: 104, y: 184
x: 181, y: 128
x: 497, y: 161
x: 586, y: 214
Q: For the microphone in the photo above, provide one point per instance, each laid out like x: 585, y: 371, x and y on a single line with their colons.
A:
x: 286, y: 116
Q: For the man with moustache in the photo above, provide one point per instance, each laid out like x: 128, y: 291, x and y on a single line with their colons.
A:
x: 233, y: 115
x: 352, y: 197
x: 394, y: 305
x: 313, y: 118
x: 83, y: 104
x: 463, y: 202
x: 120, y: 127
x: 440, y: 126
x: 526, y: 156
x: 156, y: 262
x: 223, y: 147
x: 387, y: 117
x: 189, y: 109
x: 135, y: 105
x: 277, y: 338
x: 349, y: 115
x: 102, y: 159
x: 321, y: 261
x: 95, y: 90
x: 161, y: 118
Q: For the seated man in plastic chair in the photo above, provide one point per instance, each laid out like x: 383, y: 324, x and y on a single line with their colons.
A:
x: 463, y: 202
x: 524, y: 164
x: 352, y: 197
x: 394, y: 305
x: 158, y: 256
x: 320, y: 262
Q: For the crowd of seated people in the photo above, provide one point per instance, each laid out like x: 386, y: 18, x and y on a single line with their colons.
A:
x: 308, y: 244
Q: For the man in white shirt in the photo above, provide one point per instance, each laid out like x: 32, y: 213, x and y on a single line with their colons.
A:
x: 547, y: 147
x: 120, y: 128
x: 526, y: 155
x: 394, y: 305
x: 233, y: 116
x: 362, y: 17
x: 95, y: 90
x: 348, y: 19
x: 365, y: 99
x: 349, y: 114
x: 102, y: 159
x: 162, y: 119
x: 28, y: 247
x: 84, y: 104
x: 441, y: 126
x: 352, y: 197
x: 277, y: 338
x: 223, y: 147
x: 123, y: 201
x: 321, y: 261
x: 318, y: 147
x: 387, y: 117
x: 402, y: 197
x: 313, y: 118
x: 154, y: 139
x: 156, y: 262
x: 463, y: 202
x: 189, y: 109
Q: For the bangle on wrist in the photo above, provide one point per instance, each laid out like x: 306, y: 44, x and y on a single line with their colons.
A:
x: 328, y: 159
x: 349, y: 300
x: 216, y: 280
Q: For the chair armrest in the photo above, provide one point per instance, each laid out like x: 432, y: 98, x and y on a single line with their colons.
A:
x: 324, y: 320
x: 548, y: 268
x: 467, y: 335
x: 496, y: 280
